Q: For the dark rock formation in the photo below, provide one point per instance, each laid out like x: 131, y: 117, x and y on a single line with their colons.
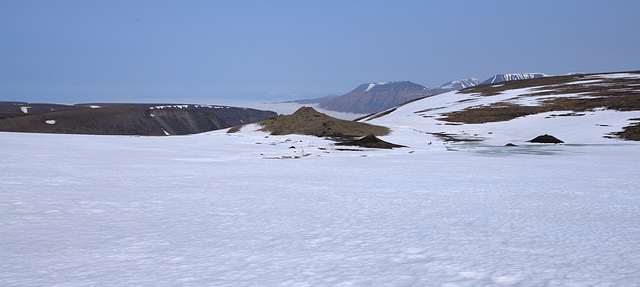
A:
x: 370, y: 141
x: 545, y: 139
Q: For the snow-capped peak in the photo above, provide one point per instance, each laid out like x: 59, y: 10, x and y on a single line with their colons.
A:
x: 460, y: 84
x: 512, y: 77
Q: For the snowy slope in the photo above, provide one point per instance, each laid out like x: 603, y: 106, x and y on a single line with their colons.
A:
x: 412, y: 122
x: 216, y: 209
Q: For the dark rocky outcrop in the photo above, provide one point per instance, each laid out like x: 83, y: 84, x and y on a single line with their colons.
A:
x: 545, y: 139
x: 370, y: 141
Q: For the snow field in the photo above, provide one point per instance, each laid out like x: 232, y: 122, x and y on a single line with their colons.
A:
x: 209, y: 209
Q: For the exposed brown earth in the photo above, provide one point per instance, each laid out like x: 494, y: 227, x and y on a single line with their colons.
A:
x: 505, y: 111
x: 308, y: 121
x: 614, y: 94
x: 620, y: 94
x: 493, y: 113
x: 113, y: 121
x: 631, y: 132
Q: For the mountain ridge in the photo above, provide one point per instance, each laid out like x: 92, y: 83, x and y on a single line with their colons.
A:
x: 123, y: 118
x: 373, y: 97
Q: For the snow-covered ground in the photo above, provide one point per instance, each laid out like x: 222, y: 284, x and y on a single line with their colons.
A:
x: 220, y: 210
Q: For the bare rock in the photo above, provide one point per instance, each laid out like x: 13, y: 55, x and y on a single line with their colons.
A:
x: 545, y: 139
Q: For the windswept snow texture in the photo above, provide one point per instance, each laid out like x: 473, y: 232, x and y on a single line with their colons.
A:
x: 218, y: 209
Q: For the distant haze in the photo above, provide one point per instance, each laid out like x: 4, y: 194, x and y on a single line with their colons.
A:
x: 69, y: 51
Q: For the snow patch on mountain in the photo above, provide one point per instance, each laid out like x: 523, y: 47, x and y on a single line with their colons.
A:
x: 460, y: 84
x: 619, y: 76
x: 513, y: 77
x: 371, y: 85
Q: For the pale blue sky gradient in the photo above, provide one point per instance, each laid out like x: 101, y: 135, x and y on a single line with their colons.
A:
x: 104, y: 51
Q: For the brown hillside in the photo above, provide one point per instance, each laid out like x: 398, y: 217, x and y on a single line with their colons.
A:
x: 113, y: 121
x: 609, y: 93
x: 308, y: 121
x: 123, y: 118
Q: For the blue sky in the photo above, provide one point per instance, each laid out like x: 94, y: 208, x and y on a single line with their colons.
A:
x: 104, y: 51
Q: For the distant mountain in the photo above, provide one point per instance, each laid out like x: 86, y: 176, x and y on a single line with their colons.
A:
x: 374, y: 97
x: 316, y: 100
x: 123, y: 119
x: 512, y: 77
x: 460, y: 84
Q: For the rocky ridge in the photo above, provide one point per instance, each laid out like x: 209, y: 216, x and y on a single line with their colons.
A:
x: 378, y: 96
x: 123, y: 119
